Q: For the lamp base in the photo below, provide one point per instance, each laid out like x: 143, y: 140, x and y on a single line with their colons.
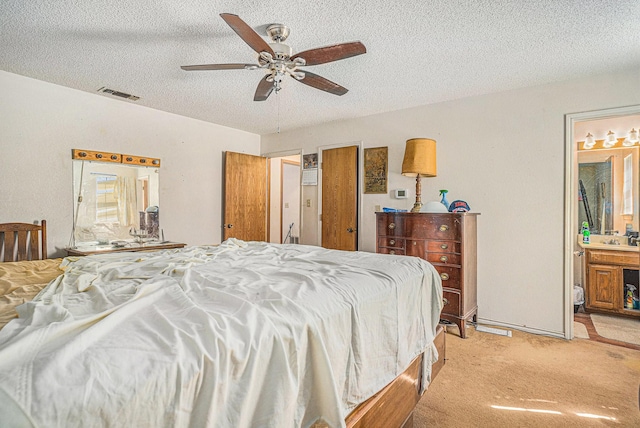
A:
x: 418, y: 205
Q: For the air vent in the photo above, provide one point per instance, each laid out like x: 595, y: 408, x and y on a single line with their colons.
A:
x: 118, y: 94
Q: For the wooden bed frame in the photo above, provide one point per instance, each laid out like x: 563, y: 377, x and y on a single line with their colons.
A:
x: 393, y: 406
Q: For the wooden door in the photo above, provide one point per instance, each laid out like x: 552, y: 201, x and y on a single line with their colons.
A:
x: 245, y: 197
x: 340, y: 198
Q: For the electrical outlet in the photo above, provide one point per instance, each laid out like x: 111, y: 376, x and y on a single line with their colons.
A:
x: 377, y: 208
x: 308, y: 203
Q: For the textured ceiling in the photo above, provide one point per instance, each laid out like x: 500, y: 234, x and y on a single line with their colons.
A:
x: 418, y: 52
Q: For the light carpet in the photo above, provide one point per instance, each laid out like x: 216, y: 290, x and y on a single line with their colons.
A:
x: 618, y: 328
x: 532, y: 381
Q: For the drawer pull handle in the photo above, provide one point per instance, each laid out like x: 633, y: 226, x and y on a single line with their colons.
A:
x: 444, y: 228
x: 445, y: 301
x: 392, y: 225
x: 444, y: 276
x: 444, y: 246
x: 392, y: 252
x: 444, y: 259
x: 392, y: 242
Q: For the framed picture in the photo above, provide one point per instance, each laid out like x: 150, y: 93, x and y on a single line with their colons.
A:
x: 375, y: 170
x: 310, y: 161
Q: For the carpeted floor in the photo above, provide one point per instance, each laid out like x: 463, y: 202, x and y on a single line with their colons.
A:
x: 532, y: 381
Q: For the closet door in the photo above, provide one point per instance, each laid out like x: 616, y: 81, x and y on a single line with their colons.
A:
x: 340, y: 198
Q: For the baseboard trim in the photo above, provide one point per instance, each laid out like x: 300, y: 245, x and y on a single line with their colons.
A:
x: 526, y: 329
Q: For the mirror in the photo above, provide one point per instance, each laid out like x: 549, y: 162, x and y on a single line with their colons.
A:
x: 608, y: 187
x: 114, y: 202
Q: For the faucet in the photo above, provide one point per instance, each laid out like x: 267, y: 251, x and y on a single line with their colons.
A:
x: 610, y: 232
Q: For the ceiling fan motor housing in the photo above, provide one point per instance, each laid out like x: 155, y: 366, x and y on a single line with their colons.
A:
x: 281, y: 50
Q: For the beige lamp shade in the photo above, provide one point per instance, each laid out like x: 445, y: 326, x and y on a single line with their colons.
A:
x: 419, y: 158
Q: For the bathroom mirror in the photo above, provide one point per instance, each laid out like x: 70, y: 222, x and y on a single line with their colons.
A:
x: 114, y: 201
x: 608, y: 190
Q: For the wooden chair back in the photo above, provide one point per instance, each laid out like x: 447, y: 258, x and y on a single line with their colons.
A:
x: 23, y: 241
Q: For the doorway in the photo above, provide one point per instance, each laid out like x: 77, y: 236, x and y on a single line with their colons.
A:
x: 284, y: 197
x: 574, y: 201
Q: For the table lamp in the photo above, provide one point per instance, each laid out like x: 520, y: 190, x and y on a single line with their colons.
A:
x: 419, y: 161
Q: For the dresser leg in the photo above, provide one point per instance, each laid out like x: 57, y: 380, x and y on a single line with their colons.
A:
x: 462, y: 324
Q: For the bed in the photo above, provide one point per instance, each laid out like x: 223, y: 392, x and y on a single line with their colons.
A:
x: 241, y: 334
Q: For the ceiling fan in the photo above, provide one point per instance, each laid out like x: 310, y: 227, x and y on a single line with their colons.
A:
x: 277, y: 59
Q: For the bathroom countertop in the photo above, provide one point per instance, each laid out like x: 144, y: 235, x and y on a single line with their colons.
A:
x: 601, y: 246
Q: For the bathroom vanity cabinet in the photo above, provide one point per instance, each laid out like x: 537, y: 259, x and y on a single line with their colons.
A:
x: 607, y: 273
x: 448, y: 242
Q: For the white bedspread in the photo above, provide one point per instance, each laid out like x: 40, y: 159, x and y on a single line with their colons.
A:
x: 239, y: 335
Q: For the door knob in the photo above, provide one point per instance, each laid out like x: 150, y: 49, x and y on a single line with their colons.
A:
x: 350, y: 229
x: 228, y: 226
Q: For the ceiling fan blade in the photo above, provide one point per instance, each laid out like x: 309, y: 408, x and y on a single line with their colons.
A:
x: 220, y: 67
x: 246, y: 33
x: 323, y: 84
x: 264, y: 89
x: 331, y: 53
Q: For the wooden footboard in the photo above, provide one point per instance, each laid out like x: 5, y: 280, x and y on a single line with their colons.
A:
x: 393, y: 406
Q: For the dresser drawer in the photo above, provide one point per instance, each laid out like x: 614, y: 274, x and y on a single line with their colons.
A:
x: 390, y: 225
x: 391, y: 242
x: 443, y: 246
x: 392, y: 251
x: 444, y: 258
x: 434, y: 227
x: 451, y: 302
x: 449, y: 275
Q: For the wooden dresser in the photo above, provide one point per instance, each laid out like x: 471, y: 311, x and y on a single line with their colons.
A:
x: 448, y: 242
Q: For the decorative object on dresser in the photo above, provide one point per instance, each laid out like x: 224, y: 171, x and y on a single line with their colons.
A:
x: 31, y: 240
x: 446, y: 240
x: 419, y: 161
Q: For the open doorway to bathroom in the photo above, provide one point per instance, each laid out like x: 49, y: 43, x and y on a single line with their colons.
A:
x: 602, y: 196
x: 284, y: 198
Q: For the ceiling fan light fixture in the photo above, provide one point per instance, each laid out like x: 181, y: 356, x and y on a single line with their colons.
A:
x: 299, y: 75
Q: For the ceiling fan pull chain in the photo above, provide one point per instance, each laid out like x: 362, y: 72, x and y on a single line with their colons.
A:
x: 278, y: 102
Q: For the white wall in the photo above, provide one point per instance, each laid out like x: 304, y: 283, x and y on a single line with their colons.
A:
x: 40, y: 123
x: 504, y: 154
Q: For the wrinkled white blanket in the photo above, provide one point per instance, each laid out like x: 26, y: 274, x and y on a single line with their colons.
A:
x: 238, y: 335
